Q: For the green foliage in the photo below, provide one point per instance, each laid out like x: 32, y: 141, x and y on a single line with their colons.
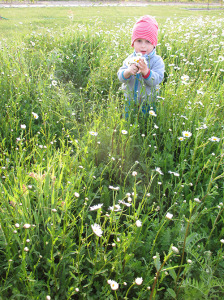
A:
x: 89, y: 196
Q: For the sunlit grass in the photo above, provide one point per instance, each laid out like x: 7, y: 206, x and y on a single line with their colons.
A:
x: 95, y: 205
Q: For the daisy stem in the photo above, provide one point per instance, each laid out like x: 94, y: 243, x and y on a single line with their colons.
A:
x: 216, y: 220
x: 183, y: 251
x: 126, y: 296
x: 154, y: 242
x: 158, y: 272
x: 116, y: 295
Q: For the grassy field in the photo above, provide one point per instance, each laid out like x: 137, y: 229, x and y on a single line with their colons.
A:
x: 95, y: 205
x: 25, y: 20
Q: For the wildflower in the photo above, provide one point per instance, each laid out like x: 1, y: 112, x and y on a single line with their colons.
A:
x: 174, y: 249
x: 125, y: 203
x: 26, y: 249
x: 116, y: 207
x: 181, y: 138
x: 214, y: 139
x: 124, y: 131
x: 184, y: 78
x: 26, y: 226
x: 135, y: 59
x: 152, y: 113
x: 27, y: 240
x: 35, y: 115
x: 97, y: 230
x: 54, y: 82
x: 77, y: 290
x: 134, y: 173
x: 138, y: 223
x: 76, y: 194
x: 159, y: 170
x: 197, y: 200
x: 48, y: 297
x: 138, y: 280
x: 200, y: 92
x: 176, y: 174
x: 54, y: 210
x: 17, y: 225
x: 186, y: 134
x: 169, y: 216
x: 189, y: 261
x: 23, y: 126
x: 93, y: 133
x: 95, y: 207
x: 113, y: 284
x: 114, y: 188
x: 204, y: 126
x: 222, y: 241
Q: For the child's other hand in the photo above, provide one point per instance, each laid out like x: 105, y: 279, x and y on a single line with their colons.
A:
x: 143, y: 69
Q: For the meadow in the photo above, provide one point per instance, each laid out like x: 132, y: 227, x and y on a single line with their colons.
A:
x: 96, y: 205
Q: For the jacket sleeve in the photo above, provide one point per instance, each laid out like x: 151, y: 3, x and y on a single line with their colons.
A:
x: 156, y: 75
x: 120, y: 72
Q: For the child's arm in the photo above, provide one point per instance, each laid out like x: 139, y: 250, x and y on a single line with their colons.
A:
x: 126, y: 71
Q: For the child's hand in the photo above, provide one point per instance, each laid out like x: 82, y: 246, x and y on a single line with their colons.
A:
x: 131, y: 70
x: 143, y: 69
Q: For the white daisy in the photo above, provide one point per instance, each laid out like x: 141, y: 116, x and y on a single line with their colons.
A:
x: 169, y: 216
x: 95, y: 207
x: 35, y: 115
x: 138, y: 223
x: 186, y: 134
x: 138, y: 280
x: 214, y: 139
x: 97, y: 229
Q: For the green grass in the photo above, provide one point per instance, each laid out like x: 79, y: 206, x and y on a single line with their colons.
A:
x: 25, y: 20
x: 69, y: 159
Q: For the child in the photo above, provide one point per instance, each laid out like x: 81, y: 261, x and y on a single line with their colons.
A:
x: 143, y: 69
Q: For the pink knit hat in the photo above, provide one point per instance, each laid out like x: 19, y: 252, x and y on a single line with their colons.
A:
x: 145, y: 28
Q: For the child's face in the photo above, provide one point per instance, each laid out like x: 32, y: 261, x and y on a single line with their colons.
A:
x: 143, y: 46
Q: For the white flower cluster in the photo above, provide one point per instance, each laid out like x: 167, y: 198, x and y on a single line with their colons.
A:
x: 135, y: 59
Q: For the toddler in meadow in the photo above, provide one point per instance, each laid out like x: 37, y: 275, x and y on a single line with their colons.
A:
x: 143, y: 70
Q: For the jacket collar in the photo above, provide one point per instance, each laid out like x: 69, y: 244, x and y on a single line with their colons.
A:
x: 148, y: 56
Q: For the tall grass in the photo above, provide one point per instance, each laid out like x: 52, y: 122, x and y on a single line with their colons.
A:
x: 98, y: 206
